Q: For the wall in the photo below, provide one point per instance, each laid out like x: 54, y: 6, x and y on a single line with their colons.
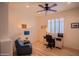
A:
x: 71, y: 36
x: 3, y: 20
x: 42, y: 22
x: 18, y: 16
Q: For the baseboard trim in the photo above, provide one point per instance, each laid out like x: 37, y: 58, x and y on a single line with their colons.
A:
x: 6, y: 54
x: 72, y: 48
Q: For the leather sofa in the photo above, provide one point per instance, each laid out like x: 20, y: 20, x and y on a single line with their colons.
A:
x: 25, y: 49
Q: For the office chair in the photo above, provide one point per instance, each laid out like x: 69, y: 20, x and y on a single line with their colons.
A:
x: 50, y: 40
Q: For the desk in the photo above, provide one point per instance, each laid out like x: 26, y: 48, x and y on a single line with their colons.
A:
x: 59, y: 42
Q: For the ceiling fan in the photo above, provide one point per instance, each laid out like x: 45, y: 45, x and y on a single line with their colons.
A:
x: 47, y: 8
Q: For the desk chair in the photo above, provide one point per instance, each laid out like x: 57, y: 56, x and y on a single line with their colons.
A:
x: 50, y: 40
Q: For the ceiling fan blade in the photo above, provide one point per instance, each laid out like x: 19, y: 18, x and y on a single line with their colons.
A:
x: 52, y: 10
x: 53, y: 5
x: 41, y: 6
x: 40, y: 10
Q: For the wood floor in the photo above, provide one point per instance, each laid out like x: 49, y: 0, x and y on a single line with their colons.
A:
x: 39, y: 49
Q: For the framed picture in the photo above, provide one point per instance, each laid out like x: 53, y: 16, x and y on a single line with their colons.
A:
x: 74, y: 25
x: 43, y: 27
x: 24, y: 26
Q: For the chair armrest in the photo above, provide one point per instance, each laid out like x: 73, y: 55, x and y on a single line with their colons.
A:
x: 28, y: 44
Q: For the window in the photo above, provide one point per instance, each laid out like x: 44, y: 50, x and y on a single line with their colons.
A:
x: 61, y: 25
x: 49, y: 25
x: 56, y: 25
x: 52, y: 26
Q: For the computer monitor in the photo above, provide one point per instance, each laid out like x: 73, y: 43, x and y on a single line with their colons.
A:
x: 60, y: 34
x: 26, y: 32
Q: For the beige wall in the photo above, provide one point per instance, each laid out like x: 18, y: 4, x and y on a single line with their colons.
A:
x: 3, y: 20
x: 71, y: 36
x: 42, y: 21
x: 21, y: 16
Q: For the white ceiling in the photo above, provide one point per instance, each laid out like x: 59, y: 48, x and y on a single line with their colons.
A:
x: 61, y: 6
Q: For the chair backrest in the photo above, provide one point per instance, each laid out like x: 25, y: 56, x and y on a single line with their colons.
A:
x: 17, y: 44
x: 49, y: 38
